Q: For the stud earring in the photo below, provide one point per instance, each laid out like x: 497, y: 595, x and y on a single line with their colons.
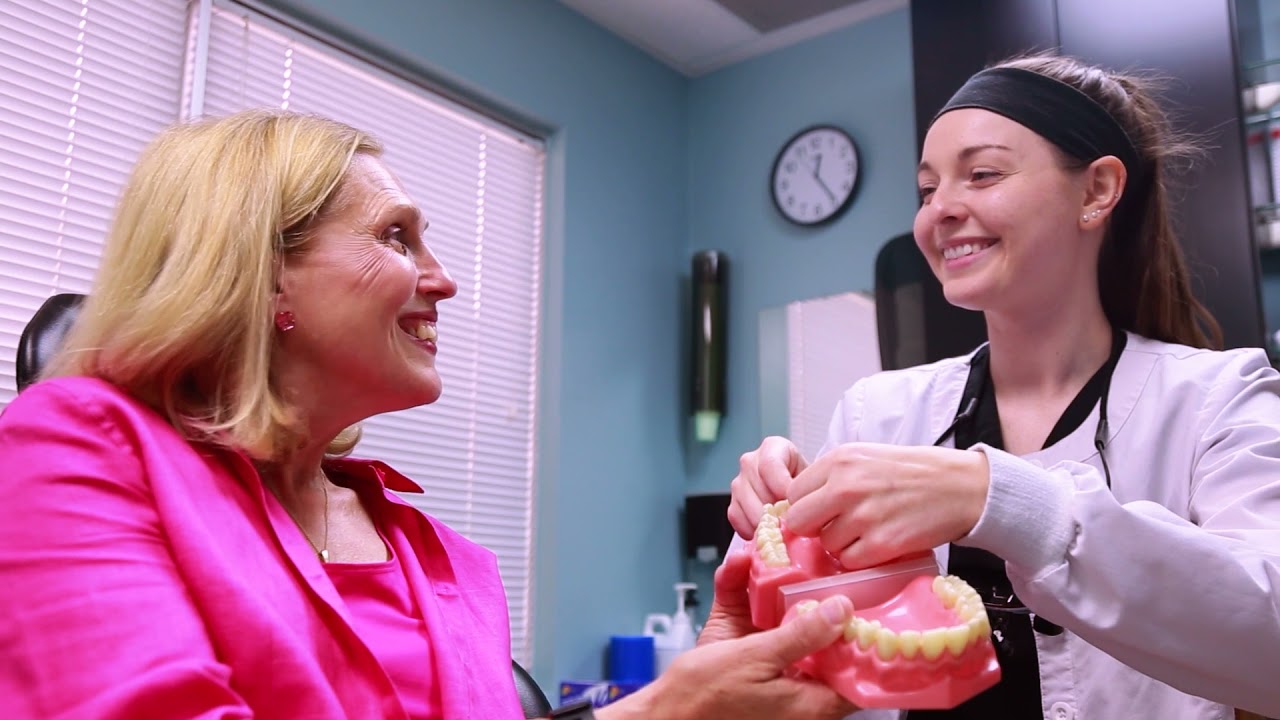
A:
x: 285, y: 321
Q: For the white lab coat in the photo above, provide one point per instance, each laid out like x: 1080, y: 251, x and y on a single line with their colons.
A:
x: 1168, y: 584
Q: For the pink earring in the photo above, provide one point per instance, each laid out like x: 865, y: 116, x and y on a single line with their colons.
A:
x: 285, y: 321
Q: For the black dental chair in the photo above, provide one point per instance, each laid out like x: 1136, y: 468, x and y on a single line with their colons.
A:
x: 43, y: 335
x: 916, y: 324
x: 41, y: 339
x: 532, y: 701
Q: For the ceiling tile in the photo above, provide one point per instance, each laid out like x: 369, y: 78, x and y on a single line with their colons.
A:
x: 698, y: 36
x: 768, y: 15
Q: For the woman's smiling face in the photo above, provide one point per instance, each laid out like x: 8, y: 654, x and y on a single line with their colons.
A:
x: 999, y: 214
x: 364, y: 292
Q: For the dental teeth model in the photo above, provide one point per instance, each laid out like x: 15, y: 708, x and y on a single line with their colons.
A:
x: 926, y: 645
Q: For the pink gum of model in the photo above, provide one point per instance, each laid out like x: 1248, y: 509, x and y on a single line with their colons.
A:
x: 859, y: 674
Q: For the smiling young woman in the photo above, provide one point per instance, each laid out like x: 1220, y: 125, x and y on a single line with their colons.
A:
x: 1096, y: 458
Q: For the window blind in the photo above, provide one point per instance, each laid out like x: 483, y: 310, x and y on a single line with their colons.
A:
x: 832, y: 343
x: 84, y: 85
x: 480, y: 186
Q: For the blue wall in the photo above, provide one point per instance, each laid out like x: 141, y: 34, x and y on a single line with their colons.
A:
x: 860, y: 79
x: 646, y: 166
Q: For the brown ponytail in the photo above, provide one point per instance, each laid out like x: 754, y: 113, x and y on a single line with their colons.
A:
x: 1142, y: 274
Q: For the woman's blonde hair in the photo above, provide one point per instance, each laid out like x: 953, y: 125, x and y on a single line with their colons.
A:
x: 181, y: 313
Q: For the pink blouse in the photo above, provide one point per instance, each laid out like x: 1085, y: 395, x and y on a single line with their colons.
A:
x: 388, y: 620
x: 144, y: 576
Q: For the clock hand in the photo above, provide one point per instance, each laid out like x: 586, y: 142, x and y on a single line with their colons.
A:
x: 817, y: 177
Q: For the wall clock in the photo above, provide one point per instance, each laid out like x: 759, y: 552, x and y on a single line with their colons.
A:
x: 814, y: 175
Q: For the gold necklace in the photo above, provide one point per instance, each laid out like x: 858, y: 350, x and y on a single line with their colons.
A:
x: 322, y: 551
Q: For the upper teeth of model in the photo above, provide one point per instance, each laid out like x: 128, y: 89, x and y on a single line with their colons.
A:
x: 929, y: 644
x: 422, y: 329
x: 769, y: 535
x: 960, y: 251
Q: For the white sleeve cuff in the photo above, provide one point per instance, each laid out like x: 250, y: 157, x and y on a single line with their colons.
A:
x: 1027, y: 518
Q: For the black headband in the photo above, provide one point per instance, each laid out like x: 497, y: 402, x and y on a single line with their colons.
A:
x: 1050, y: 108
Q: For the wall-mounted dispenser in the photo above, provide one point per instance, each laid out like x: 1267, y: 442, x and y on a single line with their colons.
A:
x: 707, y: 532
x: 710, y: 322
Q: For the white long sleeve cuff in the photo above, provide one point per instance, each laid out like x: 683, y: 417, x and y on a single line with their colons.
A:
x: 1026, y: 519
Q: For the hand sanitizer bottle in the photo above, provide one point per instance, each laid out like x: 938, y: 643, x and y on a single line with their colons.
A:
x: 673, y: 634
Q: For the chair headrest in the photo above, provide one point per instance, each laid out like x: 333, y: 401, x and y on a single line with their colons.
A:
x: 532, y: 700
x: 43, y: 335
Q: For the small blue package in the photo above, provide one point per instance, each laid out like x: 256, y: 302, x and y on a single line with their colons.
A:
x: 599, y: 692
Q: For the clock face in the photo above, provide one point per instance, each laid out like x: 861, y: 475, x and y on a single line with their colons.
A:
x: 814, y: 175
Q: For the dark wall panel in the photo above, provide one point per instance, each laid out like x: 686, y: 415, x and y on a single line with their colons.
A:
x: 953, y: 39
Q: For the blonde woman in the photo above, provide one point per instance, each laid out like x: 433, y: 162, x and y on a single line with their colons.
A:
x: 181, y: 535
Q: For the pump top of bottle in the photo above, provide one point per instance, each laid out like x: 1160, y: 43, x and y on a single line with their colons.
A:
x: 682, y: 636
x: 686, y: 598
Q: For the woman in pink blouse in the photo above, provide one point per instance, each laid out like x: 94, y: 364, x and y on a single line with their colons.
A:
x: 181, y: 534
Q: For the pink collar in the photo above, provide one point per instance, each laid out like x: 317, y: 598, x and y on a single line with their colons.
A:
x: 377, y: 471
